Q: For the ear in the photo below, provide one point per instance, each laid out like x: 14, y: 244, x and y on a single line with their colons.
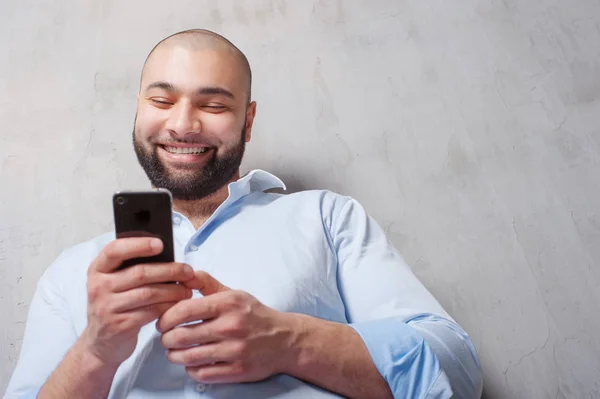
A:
x: 250, y: 114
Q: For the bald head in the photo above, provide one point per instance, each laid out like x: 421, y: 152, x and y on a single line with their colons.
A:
x: 202, y: 40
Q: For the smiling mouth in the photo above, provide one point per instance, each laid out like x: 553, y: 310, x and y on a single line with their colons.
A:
x: 185, y: 150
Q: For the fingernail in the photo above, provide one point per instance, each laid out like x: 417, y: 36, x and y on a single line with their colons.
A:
x: 187, y: 269
x: 156, y: 243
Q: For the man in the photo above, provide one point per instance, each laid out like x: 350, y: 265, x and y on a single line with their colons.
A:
x: 288, y: 296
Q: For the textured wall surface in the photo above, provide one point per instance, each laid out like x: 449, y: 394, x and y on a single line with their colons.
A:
x: 469, y: 129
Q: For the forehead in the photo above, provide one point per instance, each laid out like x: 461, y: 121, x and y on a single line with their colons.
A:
x: 189, y: 69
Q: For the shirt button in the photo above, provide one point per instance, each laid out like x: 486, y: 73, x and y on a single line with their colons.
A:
x: 193, y: 247
x: 200, y: 387
x: 176, y: 219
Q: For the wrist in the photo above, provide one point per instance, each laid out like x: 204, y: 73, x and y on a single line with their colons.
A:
x: 90, y: 357
x: 292, y: 351
x: 306, y: 341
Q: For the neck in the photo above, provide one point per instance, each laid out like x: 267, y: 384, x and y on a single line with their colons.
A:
x: 198, y: 211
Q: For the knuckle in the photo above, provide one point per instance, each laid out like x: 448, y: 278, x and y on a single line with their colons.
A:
x: 240, y: 368
x: 181, y: 293
x: 93, y: 290
x: 110, y: 283
x: 237, y: 297
x: 233, y: 327
x: 213, y: 355
x: 242, y: 300
x: 144, y: 294
x: 237, y: 324
x: 109, y: 252
x: 201, y: 274
x: 171, y: 356
x: 123, y: 324
x: 173, y: 272
x: 139, y: 273
x: 240, y: 349
x: 187, y: 356
x: 184, y: 291
x: 197, y: 374
x: 179, y: 337
x: 96, y: 286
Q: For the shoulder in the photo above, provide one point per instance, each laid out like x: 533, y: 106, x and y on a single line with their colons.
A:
x: 330, y: 207
x: 324, y: 199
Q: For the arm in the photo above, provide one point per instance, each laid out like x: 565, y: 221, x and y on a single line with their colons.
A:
x: 332, y: 356
x: 79, y: 375
x: 242, y: 340
x: 49, y: 334
x: 415, y: 345
x: 119, y: 303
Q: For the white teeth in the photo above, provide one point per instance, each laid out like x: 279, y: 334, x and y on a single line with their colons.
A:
x: 180, y: 150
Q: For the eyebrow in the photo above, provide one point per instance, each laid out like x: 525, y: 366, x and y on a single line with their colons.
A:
x: 209, y: 90
x: 161, y: 85
x: 215, y: 90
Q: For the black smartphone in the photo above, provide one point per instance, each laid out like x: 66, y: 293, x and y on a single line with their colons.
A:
x: 145, y: 214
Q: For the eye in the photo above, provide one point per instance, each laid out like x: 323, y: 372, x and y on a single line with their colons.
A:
x: 160, y: 102
x: 213, y: 108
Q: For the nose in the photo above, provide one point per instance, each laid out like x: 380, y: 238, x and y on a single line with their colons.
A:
x: 183, y: 120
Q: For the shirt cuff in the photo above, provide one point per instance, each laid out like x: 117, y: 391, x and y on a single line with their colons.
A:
x: 404, y: 359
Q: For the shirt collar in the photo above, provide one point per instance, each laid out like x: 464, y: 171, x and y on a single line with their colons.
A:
x: 256, y: 180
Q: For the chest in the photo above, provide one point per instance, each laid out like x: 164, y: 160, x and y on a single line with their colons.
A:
x: 289, y: 267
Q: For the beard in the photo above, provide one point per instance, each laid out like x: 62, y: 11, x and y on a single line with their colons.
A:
x: 190, y: 182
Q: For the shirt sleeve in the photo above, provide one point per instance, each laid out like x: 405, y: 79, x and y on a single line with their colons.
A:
x: 49, y: 334
x: 416, y: 346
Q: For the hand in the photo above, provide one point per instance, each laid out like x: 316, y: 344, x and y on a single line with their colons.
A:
x: 238, y: 340
x: 121, y: 302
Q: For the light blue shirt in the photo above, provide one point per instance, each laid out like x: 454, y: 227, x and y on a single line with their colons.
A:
x: 312, y: 252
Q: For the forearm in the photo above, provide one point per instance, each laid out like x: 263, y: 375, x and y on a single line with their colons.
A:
x: 79, y: 375
x: 334, y: 357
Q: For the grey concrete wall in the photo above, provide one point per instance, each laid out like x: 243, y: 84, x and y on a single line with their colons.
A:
x: 469, y: 129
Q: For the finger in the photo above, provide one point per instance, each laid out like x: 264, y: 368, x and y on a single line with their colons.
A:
x: 219, y: 373
x: 117, y: 251
x: 147, y: 295
x: 138, y: 275
x: 186, y: 311
x: 194, y: 334
x: 206, y: 284
x: 137, y: 318
x: 201, y: 355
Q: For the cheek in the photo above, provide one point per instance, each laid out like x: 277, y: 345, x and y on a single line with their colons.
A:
x: 225, y: 127
x: 148, y: 123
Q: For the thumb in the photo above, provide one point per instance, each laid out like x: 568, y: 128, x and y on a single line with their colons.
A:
x: 205, y: 283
